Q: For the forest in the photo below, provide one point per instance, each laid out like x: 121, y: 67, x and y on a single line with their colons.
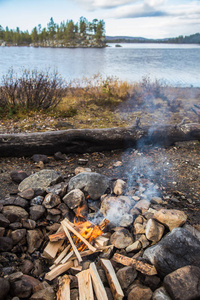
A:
x: 66, y: 31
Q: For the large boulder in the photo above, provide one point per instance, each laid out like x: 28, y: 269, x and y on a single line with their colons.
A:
x: 177, y: 249
x: 4, y: 288
x: 40, y: 180
x: 184, y: 283
x: 93, y: 183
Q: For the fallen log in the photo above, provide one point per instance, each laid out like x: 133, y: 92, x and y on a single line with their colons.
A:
x: 92, y: 140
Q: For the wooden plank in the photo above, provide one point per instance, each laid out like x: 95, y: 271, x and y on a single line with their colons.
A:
x: 71, y: 242
x: 85, y: 285
x: 102, y: 241
x: 57, y: 236
x: 112, y: 279
x: 63, y: 292
x: 67, y: 224
x: 99, y: 289
x: 140, y: 266
x: 102, y: 225
x: 52, y: 248
x: 58, y: 270
x: 62, y: 255
x: 67, y: 257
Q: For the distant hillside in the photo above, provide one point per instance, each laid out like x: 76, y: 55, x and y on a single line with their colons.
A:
x: 191, y: 39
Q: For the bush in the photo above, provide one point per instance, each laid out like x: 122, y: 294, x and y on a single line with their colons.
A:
x: 34, y: 90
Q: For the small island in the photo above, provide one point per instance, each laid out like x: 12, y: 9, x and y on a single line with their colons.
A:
x: 83, y: 34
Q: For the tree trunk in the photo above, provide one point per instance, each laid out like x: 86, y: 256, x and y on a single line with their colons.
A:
x: 92, y: 140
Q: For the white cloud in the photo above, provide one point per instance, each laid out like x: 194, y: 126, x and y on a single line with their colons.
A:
x: 96, y: 4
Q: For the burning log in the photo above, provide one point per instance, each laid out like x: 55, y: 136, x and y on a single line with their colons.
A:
x: 64, y: 288
x: 112, y: 279
x: 142, y: 267
x: 71, y: 242
x: 69, y: 227
x: 85, y: 285
x: 94, y: 140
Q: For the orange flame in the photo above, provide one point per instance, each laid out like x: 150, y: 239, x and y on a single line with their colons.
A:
x: 89, y: 231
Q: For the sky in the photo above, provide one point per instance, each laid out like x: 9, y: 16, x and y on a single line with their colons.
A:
x: 138, y: 18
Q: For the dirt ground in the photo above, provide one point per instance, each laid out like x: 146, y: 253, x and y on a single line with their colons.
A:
x: 174, y: 173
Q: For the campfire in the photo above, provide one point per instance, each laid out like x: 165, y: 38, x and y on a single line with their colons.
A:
x: 70, y: 244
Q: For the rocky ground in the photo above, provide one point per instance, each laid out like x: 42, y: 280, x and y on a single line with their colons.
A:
x: 176, y: 171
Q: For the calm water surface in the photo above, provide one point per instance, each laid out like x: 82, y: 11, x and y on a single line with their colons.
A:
x: 178, y: 65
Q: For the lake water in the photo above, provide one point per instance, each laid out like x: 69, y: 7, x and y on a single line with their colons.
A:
x: 177, y: 65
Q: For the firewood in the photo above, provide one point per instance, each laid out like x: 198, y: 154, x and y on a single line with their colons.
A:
x: 57, y: 236
x: 140, y: 266
x: 67, y: 257
x: 63, y: 292
x: 99, y: 289
x: 112, y: 279
x: 62, y: 254
x: 71, y: 242
x: 58, y: 270
x: 102, y: 225
x: 69, y: 227
x: 85, y: 285
x: 102, y: 241
x: 52, y: 248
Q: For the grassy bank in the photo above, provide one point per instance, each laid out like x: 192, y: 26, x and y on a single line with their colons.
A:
x: 37, y: 101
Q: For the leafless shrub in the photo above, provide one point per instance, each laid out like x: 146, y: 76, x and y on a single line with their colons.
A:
x: 32, y: 90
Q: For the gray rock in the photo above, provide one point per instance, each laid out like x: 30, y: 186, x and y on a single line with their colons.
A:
x: 38, y: 268
x: 37, y: 200
x: 161, y: 294
x: 40, y: 180
x: 15, y: 276
x: 4, y: 288
x: 184, y: 283
x: 26, y: 266
x: 113, y: 209
x: 36, y: 212
x: 172, y: 218
x: 177, y: 249
x: 60, y: 156
x: 17, y: 201
x: 140, y: 292
x: 93, y: 183
x: 45, y: 294
x: 6, y: 244
x: 126, y: 276
x: 23, y: 288
x: 28, y: 223
x: 18, y: 235
x: 59, y: 189
x: 121, y: 239
x: 154, y: 230
x: 51, y: 200
x: 74, y: 198
x: 18, y: 176
x: 34, y: 240
x: 15, y: 225
x: 40, y: 157
x: 14, y: 213
x: 4, y: 222
x: 27, y: 194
